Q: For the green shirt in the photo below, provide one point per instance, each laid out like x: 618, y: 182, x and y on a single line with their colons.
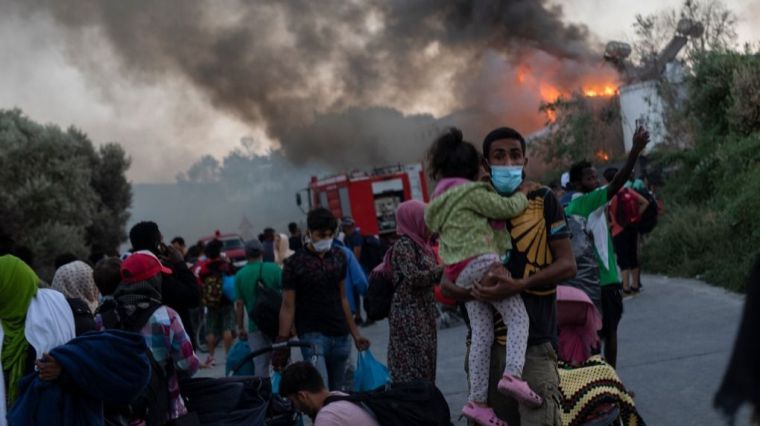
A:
x: 583, y: 206
x: 247, y: 278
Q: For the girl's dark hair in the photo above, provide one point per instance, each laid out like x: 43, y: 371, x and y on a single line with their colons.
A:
x: 451, y: 156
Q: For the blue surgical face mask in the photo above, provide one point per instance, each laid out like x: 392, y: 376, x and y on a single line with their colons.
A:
x: 506, y: 179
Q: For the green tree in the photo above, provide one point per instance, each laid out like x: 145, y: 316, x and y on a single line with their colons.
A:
x: 654, y: 31
x: 710, y: 227
x: 580, y: 128
x: 60, y: 194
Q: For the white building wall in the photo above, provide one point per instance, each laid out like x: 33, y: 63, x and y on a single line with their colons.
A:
x: 642, y: 101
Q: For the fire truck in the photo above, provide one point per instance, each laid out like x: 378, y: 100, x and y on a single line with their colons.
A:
x: 370, y: 198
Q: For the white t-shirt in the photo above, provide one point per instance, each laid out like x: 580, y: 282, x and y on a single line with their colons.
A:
x: 343, y: 413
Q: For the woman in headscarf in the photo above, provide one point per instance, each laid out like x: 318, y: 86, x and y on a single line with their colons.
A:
x: 75, y: 280
x: 282, y: 249
x: 32, y: 322
x: 413, y: 334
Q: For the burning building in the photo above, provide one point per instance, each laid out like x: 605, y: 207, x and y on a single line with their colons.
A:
x: 640, y: 100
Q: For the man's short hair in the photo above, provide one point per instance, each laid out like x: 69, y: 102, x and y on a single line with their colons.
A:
x: 107, y: 275
x: 213, y: 249
x: 300, y: 376
x: 609, y: 173
x: 292, y: 227
x: 179, y: 240
x: 500, y: 134
x: 144, y: 236
x: 576, y: 171
x: 321, y: 219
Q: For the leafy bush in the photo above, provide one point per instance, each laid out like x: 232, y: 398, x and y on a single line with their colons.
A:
x: 712, y: 226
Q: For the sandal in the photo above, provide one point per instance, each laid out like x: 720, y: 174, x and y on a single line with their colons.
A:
x: 483, y: 416
x: 210, y: 362
x: 518, y: 389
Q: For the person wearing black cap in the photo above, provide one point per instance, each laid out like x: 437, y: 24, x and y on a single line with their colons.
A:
x: 246, y: 287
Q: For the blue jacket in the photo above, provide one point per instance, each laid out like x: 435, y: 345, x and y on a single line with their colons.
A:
x: 110, y: 366
x: 355, y: 276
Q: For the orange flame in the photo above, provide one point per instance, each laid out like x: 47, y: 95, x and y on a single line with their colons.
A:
x: 602, y: 155
x: 548, y: 92
x: 596, y: 90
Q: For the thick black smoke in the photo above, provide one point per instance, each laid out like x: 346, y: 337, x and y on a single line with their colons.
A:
x: 328, y: 78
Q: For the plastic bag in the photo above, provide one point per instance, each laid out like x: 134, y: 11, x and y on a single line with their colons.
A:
x: 276, y: 377
x: 228, y: 287
x: 370, y: 373
x: 237, y: 352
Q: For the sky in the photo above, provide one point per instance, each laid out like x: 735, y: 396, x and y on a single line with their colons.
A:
x: 167, y: 123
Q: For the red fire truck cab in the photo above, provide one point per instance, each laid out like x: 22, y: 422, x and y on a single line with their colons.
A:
x: 370, y: 198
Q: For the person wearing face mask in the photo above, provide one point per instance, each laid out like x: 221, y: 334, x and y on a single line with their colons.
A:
x: 314, y: 301
x: 541, y: 257
x: 463, y: 213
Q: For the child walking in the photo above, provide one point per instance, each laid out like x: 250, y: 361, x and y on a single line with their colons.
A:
x: 470, y: 219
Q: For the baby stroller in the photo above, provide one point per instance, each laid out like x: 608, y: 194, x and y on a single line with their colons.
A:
x: 592, y: 392
x: 240, y: 400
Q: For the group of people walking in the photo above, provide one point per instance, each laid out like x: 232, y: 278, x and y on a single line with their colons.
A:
x: 489, y: 238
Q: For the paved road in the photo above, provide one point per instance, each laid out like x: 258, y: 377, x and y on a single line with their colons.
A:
x: 675, y: 340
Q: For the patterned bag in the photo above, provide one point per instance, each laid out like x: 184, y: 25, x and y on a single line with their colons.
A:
x: 211, y: 291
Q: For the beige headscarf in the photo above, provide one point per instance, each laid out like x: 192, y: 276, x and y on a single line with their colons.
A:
x: 75, y: 281
x: 282, y: 249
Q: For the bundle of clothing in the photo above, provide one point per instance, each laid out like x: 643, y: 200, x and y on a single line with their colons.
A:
x: 590, y: 386
x: 108, y: 367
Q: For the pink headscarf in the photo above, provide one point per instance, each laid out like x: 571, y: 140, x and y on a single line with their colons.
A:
x: 410, y: 221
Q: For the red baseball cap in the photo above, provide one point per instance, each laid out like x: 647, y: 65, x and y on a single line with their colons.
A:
x: 141, y: 266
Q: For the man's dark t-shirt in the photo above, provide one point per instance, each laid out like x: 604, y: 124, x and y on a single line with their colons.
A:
x: 268, y: 251
x: 316, y: 281
x: 542, y: 222
x: 295, y: 242
x: 354, y: 240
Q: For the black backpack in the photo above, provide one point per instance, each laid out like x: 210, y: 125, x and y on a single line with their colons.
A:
x: 648, y: 219
x: 410, y: 404
x: 152, y: 404
x: 380, y: 289
x: 266, y: 310
x: 372, y: 253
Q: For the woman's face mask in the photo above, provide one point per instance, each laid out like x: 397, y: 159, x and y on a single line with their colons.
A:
x: 506, y: 179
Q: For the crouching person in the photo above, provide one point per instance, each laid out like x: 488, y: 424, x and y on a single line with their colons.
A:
x: 303, y: 386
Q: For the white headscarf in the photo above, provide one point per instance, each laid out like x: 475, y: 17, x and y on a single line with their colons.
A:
x: 75, y: 281
x: 49, y: 324
x: 282, y: 249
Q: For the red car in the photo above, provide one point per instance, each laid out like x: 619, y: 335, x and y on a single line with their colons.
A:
x: 233, y: 248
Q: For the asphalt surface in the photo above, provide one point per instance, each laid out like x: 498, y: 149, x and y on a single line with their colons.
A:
x: 675, y: 339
